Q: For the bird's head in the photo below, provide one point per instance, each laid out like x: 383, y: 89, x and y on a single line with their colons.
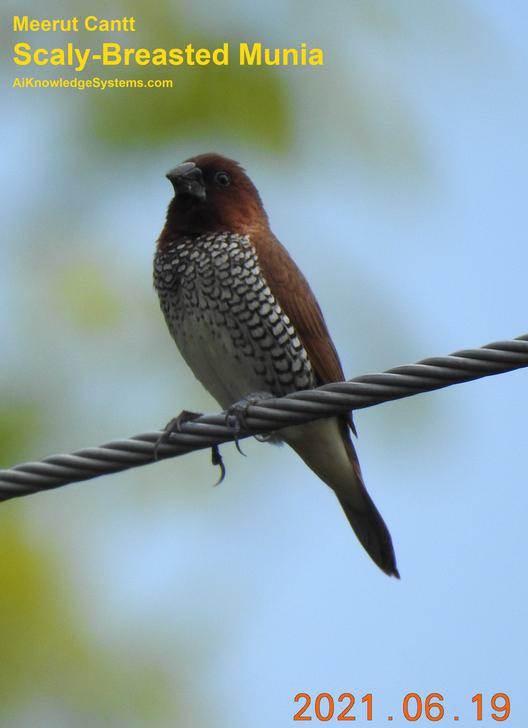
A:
x: 213, y: 194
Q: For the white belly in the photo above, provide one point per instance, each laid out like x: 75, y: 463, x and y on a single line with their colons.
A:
x: 226, y: 373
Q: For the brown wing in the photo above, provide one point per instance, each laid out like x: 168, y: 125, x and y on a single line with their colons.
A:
x: 292, y: 291
x: 296, y: 299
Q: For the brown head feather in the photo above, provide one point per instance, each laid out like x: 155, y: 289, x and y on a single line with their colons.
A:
x: 236, y: 208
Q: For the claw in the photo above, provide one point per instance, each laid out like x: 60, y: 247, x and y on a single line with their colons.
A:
x: 216, y: 459
x: 237, y: 445
x: 239, y: 423
x: 238, y: 413
x: 173, y: 426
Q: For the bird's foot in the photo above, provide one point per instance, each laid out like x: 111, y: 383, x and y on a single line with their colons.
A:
x: 174, y: 426
x: 236, y: 416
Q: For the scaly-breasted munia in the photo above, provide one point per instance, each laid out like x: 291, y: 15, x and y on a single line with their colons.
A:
x: 245, y: 321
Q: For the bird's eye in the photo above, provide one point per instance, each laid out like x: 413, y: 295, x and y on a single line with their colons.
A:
x: 222, y: 179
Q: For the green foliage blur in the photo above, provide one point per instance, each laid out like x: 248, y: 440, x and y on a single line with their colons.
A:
x: 55, y: 668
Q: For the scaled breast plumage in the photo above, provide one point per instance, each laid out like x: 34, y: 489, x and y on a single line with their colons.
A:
x: 224, y: 318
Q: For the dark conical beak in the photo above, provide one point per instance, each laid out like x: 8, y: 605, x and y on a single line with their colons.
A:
x: 187, y: 179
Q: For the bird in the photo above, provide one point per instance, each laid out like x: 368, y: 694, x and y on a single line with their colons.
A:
x: 246, y: 321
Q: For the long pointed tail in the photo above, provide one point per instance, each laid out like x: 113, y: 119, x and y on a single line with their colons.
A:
x: 370, y: 529
x: 326, y: 447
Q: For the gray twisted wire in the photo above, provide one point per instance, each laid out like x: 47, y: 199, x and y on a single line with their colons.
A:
x: 272, y: 414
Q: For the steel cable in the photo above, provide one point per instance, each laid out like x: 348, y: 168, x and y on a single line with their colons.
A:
x: 267, y: 416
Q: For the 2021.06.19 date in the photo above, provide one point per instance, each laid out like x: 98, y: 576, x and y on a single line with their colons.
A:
x: 413, y: 707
